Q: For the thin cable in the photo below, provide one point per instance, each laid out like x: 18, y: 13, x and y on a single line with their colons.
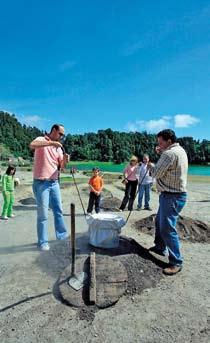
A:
x: 72, y: 173
x: 136, y: 195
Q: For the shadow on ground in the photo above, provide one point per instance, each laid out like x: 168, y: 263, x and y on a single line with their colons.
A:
x: 24, y: 208
x: 18, y: 249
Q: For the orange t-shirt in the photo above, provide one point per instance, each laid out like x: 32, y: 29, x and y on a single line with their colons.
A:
x: 96, y: 182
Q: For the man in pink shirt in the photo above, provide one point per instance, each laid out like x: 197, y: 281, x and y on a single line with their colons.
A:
x: 48, y: 160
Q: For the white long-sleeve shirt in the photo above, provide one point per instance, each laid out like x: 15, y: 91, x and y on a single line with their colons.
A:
x: 144, y: 179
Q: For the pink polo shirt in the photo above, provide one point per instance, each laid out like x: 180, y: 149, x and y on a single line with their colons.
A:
x: 46, y: 161
x: 130, y: 172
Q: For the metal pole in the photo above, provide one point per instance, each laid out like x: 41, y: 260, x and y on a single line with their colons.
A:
x: 136, y: 195
x: 73, y: 247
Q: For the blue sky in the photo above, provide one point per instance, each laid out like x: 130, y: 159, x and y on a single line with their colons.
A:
x: 128, y: 65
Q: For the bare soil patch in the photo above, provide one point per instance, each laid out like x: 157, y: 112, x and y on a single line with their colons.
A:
x: 110, y: 203
x: 28, y: 201
x: 189, y: 229
x: 143, y: 269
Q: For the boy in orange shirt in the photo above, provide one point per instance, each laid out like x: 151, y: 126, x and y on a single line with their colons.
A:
x: 96, y: 186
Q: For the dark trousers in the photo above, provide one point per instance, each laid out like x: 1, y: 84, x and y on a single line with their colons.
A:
x: 94, y: 199
x: 130, y: 193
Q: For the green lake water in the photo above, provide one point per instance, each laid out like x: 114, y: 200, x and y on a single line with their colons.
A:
x: 118, y: 168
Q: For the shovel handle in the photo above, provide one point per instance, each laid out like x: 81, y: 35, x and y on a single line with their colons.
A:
x: 73, y: 248
x: 72, y: 173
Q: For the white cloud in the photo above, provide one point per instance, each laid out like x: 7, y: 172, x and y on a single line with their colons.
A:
x: 132, y: 127
x: 155, y: 125
x: 33, y: 120
x: 5, y: 111
x: 67, y: 65
x: 185, y: 120
x: 165, y: 122
x: 133, y: 48
x: 152, y: 125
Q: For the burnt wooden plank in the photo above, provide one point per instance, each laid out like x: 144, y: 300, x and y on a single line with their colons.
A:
x: 111, y: 281
x: 92, y: 289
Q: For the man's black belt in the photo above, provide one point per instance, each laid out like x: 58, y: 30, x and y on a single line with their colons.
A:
x: 174, y: 193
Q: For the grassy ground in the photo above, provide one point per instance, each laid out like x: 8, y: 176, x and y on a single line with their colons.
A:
x: 65, y: 179
x: 104, y: 166
x: 199, y: 179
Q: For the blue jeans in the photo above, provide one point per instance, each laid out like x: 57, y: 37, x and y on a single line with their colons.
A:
x: 48, y: 192
x: 144, y: 190
x: 166, y: 236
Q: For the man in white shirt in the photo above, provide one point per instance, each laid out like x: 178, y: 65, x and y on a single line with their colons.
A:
x: 145, y: 183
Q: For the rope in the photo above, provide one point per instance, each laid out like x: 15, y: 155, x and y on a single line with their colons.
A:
x: 72, y: 173
x: 136, y: 195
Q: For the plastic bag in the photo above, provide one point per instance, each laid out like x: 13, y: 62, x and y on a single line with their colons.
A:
x: 104, y: 230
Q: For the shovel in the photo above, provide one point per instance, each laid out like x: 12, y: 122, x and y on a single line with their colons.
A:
x: 76, y: 281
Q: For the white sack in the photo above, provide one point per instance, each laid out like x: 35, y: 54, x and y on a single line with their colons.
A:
x: 104, y: 229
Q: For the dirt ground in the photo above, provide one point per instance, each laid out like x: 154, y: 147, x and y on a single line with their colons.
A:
x: 189, y: 229
x: 169, y: 309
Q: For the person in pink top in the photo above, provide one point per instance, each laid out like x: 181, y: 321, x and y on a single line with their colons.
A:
x: 48, y: 160
x: 131, y: 182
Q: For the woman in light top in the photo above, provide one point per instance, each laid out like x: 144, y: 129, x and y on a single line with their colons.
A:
x: 131, y: 182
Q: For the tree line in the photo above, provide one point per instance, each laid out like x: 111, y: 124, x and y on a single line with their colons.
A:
x: 105, y: 145
x: 108, y: 145
x: 15, y: 138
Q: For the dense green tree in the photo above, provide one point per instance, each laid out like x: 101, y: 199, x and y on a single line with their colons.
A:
x: 15, y: 136
x: 105, y: 145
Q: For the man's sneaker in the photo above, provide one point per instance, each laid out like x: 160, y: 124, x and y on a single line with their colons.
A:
x: 138, y: 209
x: 64, y: 238
x: 157, y: 251
x: 148, y: 208
x: 12, y: 216
x: 4, y: 218
x: 45, y: 247
x: 172, y: 270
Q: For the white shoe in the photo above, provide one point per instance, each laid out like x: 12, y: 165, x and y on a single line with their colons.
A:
x: 4, y: 218
x: 45, y: 247
x: 12, y: 216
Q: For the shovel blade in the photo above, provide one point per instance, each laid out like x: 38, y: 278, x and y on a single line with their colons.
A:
x: 77, y: 281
